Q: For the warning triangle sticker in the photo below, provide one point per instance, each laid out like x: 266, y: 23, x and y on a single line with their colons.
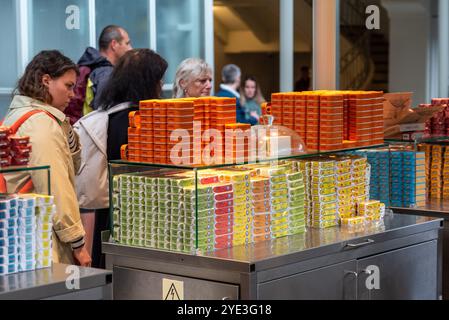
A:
x: 172, y: 293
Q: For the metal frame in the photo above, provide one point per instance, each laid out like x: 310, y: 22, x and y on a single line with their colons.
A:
x: 250, y: 267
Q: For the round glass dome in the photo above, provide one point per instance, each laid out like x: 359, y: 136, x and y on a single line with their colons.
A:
x: 275, y: 141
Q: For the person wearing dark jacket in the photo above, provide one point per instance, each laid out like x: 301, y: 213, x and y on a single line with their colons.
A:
x: 231, y: 76
x: 95, y: 68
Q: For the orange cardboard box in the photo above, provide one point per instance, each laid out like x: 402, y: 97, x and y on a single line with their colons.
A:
x: 159, y: 118
x: 331, y: 104
x: 147, y: 120
x: 147, y: 104
x: 146, y: 112
x: 147, y: 145
x: 331, y: 147
x: 146, y: 153
x: 179, y: 125
x: 146, y: 139
x: 364, y: 143
x: 333, y: 110
x: 146, y: 131
x: 160, y: 125
x: 146, y: 159
x: 329, y: 129
x: 314, y: 117
x: 331, y: 135
x: 331, y: 117
x: 159, y: 112
x: 180, y: 112
x: 288, y: 109
x: 178, y: 119
x: 134, y: 158
x: 331, y: 123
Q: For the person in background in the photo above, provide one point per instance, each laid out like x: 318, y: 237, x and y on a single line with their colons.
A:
x: 46, y: 88
x: 136, y: 77
x: 193, y: 79
x: 95, y: 68
x: 251, y: 98
x: 231, y: 77
x: 303, y: 84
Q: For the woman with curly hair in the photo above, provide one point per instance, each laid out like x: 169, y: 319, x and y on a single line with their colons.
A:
x: 42, y: 95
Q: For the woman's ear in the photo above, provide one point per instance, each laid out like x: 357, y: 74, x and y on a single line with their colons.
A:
x: 183, y: 84
x: 46, y: 80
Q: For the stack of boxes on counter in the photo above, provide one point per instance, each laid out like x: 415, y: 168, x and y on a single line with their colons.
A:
x: 224, y: 208
x: 398, y: 177
x: 331, y: 120
x: 438, y: 125
x: 188, y: 122
x: 380, y: 174
x: 336, y: 187
x: 437, y: 170
x: 408, y: 179
x: 14, y: 150
x: 25, y: 232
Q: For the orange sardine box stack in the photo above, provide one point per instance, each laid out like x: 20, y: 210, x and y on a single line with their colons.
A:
x: 180, y: 125
x: 365, y: 118
x: 300, y: 114
x: 331, y: 126
x: 276, y: 107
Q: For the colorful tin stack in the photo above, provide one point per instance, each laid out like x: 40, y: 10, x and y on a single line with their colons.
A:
x: 14, y: 150
x: 296, y: 203
x: 25, y: 232
x: 224, y: 208
x: 331, y: 120
x: 239, y: 228
x: 344, y: 182
x: 9, y: 235
x: 323, y: 191
x: 178, y: 132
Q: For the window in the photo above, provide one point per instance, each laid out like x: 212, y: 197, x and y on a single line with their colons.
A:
x: 133, y: 18
x: 8, y: 53
x: 180, y: 32
x: 51, y: 27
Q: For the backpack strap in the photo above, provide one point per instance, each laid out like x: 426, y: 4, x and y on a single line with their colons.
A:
x: 15, y: 127
x: 28, y: 186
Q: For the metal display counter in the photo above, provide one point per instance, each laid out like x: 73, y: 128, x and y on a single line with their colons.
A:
x: 321, y: 264
x: 50, y: 284
x: 437, y: 209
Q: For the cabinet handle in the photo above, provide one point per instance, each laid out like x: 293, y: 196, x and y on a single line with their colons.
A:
x: 358, y: 245
x: 356, y: 277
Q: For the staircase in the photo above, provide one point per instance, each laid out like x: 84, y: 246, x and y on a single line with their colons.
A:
x: 364, y: 53
x: 380, y: 56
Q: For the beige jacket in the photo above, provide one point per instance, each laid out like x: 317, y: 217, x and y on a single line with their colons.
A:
x: 50, y: 147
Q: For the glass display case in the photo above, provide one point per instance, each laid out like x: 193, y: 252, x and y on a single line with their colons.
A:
x: 196, y: 209
x: 20, y: 175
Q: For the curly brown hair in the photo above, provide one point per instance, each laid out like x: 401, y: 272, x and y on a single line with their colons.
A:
x: 51, y: 62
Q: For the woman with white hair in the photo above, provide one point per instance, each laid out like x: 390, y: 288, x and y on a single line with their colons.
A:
x: 193, y: 79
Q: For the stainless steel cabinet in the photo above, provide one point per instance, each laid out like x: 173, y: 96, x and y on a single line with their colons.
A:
x: 336, y: 282
x: 145, y: 285
x: 405, y: 274
x: 321, y: 264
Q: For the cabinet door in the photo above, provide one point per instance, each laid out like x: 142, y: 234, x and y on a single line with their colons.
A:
x: 336, y: 282
x: 133, y: 284
x: 406, y: 274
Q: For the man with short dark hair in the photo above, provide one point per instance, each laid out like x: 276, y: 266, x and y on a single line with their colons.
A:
x: 95, y: 69
x: 231, y: 77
